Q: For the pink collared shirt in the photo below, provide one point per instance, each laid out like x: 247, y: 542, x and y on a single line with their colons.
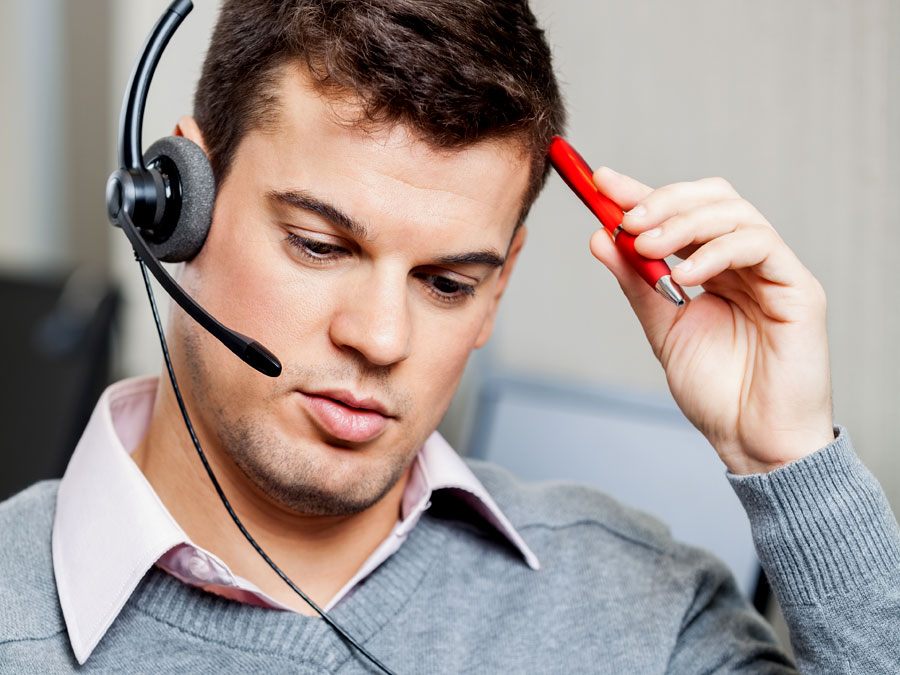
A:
x: 111, y: 527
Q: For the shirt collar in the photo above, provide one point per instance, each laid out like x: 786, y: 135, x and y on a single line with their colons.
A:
x: 439, y: 467
x: 110, y: 526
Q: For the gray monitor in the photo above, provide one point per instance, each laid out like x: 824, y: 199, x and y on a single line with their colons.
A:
x: 637, y: 447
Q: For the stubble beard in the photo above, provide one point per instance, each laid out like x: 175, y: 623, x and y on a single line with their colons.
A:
x: 287, y: 475
x: 281, y: 470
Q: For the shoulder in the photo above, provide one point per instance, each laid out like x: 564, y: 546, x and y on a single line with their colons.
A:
x: 561, y: 505
x: 27, y: 585
x: 556, y: 505
x: 579, y: 529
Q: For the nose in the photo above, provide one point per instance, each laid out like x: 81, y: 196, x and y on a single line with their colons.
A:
x: 373, y: 318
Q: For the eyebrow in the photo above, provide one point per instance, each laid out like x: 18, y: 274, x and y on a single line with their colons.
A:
x: 302, y: 199
x: 489, y: 258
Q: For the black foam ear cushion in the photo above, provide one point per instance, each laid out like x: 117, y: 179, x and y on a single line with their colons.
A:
x: 198, y: 189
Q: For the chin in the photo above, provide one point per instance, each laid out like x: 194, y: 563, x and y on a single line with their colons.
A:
x: 314, y: 475
x: 324, y: 493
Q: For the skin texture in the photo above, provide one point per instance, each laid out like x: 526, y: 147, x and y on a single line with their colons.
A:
x: 362, y: 314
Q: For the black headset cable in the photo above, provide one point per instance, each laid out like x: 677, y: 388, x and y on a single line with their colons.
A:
x: 187, y: 420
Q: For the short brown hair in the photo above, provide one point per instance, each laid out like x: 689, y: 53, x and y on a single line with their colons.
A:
x: 455, y: 71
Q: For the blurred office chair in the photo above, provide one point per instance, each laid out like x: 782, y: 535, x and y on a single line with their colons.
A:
x: 56, y: 342
x: 638, y: 448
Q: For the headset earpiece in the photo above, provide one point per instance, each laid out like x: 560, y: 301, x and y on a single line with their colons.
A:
x: 187, y: 180
x: 164, y: 200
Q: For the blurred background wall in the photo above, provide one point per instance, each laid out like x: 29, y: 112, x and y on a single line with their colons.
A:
x: 795, y: 103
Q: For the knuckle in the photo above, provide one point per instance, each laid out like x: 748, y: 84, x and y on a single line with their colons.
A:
x: 773, y: 236
x: 672, y: 224
x: 765, y: 232
x: 720, y: 184
x: 818, y: 295
x: 665, y: 192
x: 747, y: 211
x: 681, y: 230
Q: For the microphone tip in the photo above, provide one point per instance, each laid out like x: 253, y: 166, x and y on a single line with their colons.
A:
x: 262, y: 359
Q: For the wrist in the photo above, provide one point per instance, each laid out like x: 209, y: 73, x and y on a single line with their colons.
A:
x: 776, y: 451
x: 821, y: 526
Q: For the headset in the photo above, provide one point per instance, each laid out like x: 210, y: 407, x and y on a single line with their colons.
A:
x: 163, y: 200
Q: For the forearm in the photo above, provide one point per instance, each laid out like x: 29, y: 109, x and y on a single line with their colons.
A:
x: 831, y: 549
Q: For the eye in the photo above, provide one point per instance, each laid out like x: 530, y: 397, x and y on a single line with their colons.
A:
x: 446, y: 290
x: 316, y: 251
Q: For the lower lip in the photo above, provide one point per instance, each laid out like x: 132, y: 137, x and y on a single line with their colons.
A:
x: 343, y: 422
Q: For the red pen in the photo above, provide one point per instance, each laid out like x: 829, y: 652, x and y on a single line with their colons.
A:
x: 579, y: 176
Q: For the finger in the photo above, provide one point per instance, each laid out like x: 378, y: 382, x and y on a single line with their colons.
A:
x: 698, y: 225
x: 623, y: 190
x: 673, y: 199
x: 731, y: 285
x: 655, y: 313
x: 753, y: 268
x: 758, y: 247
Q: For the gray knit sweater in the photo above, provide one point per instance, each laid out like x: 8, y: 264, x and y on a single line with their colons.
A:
x: 614, y: 595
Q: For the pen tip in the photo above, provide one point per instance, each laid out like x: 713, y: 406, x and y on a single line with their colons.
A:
x: 670, y: 290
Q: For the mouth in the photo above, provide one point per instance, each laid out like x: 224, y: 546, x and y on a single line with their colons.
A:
x: 346, y: 417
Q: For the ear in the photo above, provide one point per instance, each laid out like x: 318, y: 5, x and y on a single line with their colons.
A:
x: 515, y: 247
x: 187, y: 127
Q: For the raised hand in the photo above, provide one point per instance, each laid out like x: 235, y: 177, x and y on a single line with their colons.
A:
x: 747, y: 359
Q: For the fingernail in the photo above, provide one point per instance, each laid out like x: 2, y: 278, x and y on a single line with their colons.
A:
x: 685, y: 266
x: 653, y: 234
x: 637, y: 212
x: 612, y: 171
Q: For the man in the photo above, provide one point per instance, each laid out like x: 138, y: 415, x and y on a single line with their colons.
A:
x: 375, y: 162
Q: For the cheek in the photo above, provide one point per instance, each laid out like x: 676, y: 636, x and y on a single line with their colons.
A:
x: 440, y: 354
x: 247, y: 282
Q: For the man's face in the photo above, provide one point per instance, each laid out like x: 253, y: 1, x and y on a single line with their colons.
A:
x: 368, y: 262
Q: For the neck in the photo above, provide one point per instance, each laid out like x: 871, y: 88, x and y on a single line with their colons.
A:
x: 320, y: 554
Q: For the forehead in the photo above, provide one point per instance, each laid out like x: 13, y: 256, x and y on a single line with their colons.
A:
x: 316, y: 143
